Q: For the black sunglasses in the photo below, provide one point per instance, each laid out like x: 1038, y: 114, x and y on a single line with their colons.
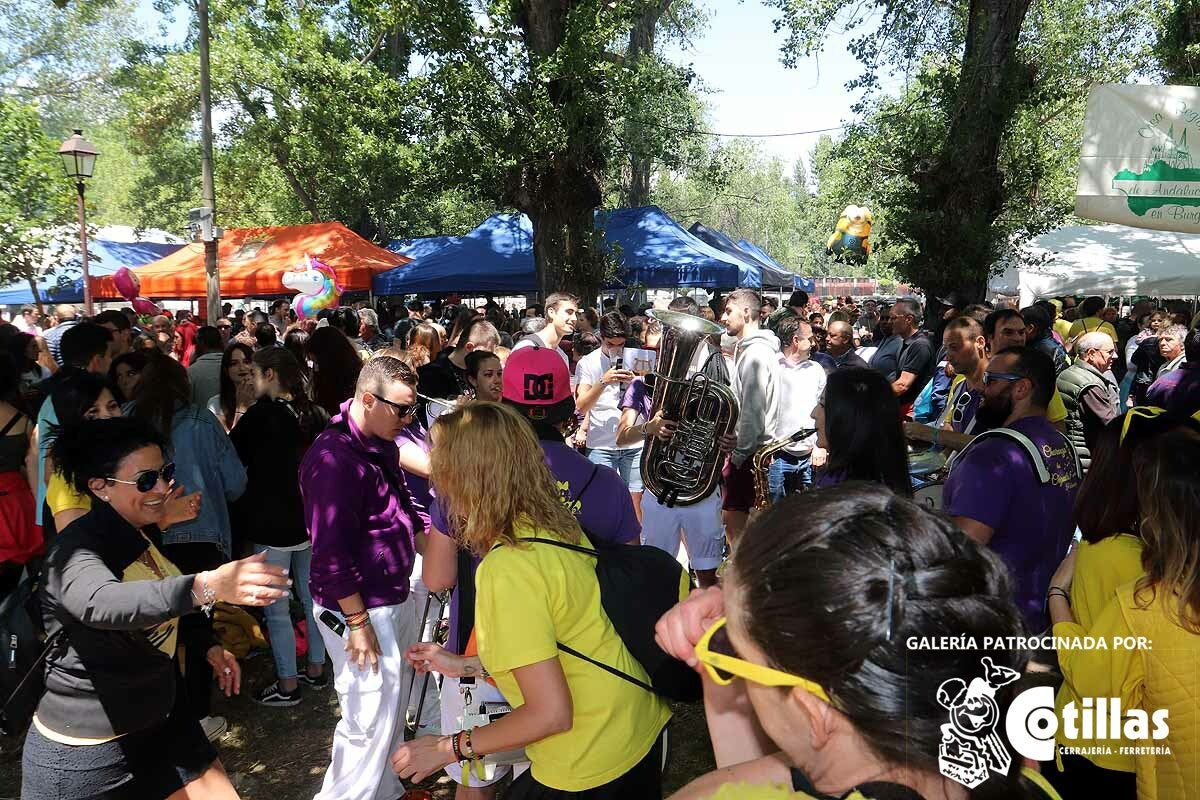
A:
x: 401, y: 410
x: 148, y: 479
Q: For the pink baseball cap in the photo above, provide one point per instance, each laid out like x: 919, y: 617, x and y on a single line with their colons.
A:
x: 538, y: 383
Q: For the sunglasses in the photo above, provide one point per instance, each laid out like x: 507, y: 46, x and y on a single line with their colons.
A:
x: 960, y: 407
x: 723, y: 664
x: 146, y: 480
x: 401, y: 410
x: 988, y: 377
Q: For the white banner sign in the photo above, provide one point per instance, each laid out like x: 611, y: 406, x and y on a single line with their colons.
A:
x: 1135, y: 167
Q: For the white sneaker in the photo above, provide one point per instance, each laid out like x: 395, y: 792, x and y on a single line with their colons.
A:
x: 214, y: 727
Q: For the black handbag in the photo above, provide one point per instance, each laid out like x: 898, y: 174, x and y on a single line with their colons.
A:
x: 25, y: 648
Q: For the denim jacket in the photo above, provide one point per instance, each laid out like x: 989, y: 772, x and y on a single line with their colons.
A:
x: 205, y: 461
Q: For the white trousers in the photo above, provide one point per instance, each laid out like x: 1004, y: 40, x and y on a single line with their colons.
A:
x: 699, y: 524
x: 374, y: 704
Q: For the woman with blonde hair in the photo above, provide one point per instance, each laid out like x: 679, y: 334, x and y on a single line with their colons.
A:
x: 586, y: 732
x: 1162, y: 607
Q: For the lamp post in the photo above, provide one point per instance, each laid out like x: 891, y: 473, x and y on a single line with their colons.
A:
x: 79, y: 161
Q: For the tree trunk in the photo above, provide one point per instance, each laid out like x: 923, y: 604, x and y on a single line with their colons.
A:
x: 37, y: 296
x: 560, y: 190
x: 962, y: 195
x: 641, y: 45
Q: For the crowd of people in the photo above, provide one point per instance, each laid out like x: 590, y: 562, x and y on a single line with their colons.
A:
x: 377, y: 469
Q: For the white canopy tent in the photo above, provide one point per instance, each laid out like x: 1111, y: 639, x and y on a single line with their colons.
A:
x: 1105, y: 260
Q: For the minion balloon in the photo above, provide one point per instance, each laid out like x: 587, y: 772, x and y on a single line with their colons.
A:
x: 851, y: 242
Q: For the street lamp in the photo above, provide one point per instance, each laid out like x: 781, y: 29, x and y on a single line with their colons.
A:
x: 79, y: 160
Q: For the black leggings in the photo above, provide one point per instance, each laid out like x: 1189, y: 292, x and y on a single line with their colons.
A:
x: 642, y: 782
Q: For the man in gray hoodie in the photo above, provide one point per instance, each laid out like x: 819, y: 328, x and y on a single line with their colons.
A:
x: 755, y: 383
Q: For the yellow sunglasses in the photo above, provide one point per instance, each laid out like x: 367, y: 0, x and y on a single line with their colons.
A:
x: 723, y: 667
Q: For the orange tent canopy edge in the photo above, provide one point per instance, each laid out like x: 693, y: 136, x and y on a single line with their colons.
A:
x: 252, y: 262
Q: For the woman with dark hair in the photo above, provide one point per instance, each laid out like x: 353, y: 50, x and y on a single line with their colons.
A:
x: 1162, y: 607
x: 858, y: 423
x: 23, y: 348
x: 126, y: 374
x: 237, y: 385
x: 108, y: 724
x: 295, y: 341
x: 486, y: 375
x: 19, y: 539
x: 205, y: 462
x: 335, y: 368
x: 271, y: 441
x: 823, y: 597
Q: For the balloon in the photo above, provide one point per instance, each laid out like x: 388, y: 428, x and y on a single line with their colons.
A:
x: 128, y: 285
x: 317, y: 286
x: 143, y: 306
x: 851, y: 241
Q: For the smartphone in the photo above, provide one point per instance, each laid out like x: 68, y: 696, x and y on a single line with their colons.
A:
x: 619, y: 363
x: 332, y: 622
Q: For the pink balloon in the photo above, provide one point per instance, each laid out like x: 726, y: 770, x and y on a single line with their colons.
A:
x: 143, y: 306
x: 127, y: 283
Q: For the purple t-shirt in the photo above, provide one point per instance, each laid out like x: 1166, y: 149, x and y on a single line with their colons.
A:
x: 995, y: 482
x: 418, y: 486
x: 638, y: 397
x: 595, y: 494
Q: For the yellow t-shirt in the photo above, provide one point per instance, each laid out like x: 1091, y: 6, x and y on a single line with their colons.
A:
x: 1088, y: 325
x: 1063, y: 328
x: 528, y: 599
x: 61, y: 496
x: 1099, y: 569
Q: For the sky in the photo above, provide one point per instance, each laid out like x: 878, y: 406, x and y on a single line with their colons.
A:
x: 737, y: 58
x: 751, y: 92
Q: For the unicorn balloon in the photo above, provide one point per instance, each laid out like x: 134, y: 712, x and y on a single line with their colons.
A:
x: 317, y: 285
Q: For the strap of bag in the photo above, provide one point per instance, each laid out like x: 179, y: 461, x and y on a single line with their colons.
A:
x: 41, y: 659
x: 8, y: 426
x: 605, y: 667
x: 586, y: 484
x: 576, y: 653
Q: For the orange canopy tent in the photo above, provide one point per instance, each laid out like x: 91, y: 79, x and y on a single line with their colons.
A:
x: 252, y: 262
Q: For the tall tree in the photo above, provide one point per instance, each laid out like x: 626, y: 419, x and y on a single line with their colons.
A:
x: 35, y: 199
x: 964, y: 155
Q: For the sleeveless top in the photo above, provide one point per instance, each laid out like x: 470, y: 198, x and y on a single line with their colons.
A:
x: 12, y: 448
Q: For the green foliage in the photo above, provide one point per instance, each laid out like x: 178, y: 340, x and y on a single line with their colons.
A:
x: 1177, y: 44
x: 36, y: 200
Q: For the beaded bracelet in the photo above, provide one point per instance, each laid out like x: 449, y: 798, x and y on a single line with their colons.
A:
x: 469, y: 748
x: 454, y: 746
x: 210, y: 597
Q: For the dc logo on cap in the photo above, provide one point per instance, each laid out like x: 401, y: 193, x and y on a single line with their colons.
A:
x: 539, y: 387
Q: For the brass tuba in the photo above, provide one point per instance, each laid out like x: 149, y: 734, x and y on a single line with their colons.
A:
x: 684, y: 469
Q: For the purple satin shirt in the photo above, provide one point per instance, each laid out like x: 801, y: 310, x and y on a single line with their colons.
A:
x: 360, y: 516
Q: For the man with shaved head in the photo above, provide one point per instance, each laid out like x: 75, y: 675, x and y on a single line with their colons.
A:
x: 840, y: 345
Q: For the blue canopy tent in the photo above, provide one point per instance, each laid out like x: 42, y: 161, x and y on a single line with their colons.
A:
x: 770, y: 274
x: 655, y: 251
x: 495, y: 257
x: 104, y: 258
x: 419, y: 248
x: 797, y: 282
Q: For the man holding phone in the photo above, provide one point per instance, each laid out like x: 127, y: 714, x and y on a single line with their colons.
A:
x: 601, y: 380
x: 364, y: 527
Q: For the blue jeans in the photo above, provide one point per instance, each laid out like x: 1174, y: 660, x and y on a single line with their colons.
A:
x: 627, y: 462
x: 279, y: 616
x: 787, y: 476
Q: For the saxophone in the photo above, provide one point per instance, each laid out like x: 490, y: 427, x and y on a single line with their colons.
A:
x: 761, y: 463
